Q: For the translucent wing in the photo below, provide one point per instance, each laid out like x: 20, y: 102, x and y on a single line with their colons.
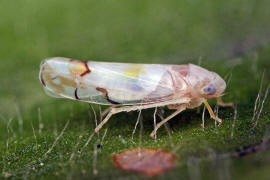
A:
x: 108, y: 83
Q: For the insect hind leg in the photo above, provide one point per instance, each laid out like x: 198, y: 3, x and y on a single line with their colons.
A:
x: 106, y: 111
x: 179, y: 110
x: 113, y: 110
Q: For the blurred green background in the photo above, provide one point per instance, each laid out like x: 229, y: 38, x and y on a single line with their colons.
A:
x: 228, y: 37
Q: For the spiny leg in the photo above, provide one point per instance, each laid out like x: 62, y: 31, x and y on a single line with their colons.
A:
x: 223, y: 104
x: 179, y: 110
x: 212, y: 114
x: 106, y: 111
x: 114, y: 110
x: 109, y: 114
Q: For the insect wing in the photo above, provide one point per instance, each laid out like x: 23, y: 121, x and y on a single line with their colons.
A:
x: 107, y: 83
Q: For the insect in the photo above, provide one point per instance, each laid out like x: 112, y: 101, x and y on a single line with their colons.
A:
x: 129, y: 87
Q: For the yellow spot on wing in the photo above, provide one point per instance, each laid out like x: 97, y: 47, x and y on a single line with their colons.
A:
x: 134, y: 70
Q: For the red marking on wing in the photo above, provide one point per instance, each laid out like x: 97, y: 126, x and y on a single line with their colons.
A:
x: 76, y: 94
x: 102, y: 90
x: 42, y: 80
x: 146, y: 161
x: 105, y: 92
x: 87, y: 69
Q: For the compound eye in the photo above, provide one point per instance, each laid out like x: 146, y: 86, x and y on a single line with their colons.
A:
x: 210, y: 89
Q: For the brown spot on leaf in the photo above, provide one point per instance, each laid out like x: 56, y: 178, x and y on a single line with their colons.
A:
x: 146, y: 161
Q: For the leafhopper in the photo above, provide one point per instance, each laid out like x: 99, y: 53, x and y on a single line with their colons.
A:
x: 129, y: 87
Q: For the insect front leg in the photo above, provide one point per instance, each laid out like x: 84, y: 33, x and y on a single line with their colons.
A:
x: 223, y: 104
x: 211, y: 112
x: 179, y: 110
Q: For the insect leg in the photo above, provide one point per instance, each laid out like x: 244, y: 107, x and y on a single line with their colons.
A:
x: 223, y: 104
x: 212, y: 115
x: 173, y: 106
x: 106, y: 111
x: 114, y: 110
x: 111, y: 112
x: 179, y: 110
